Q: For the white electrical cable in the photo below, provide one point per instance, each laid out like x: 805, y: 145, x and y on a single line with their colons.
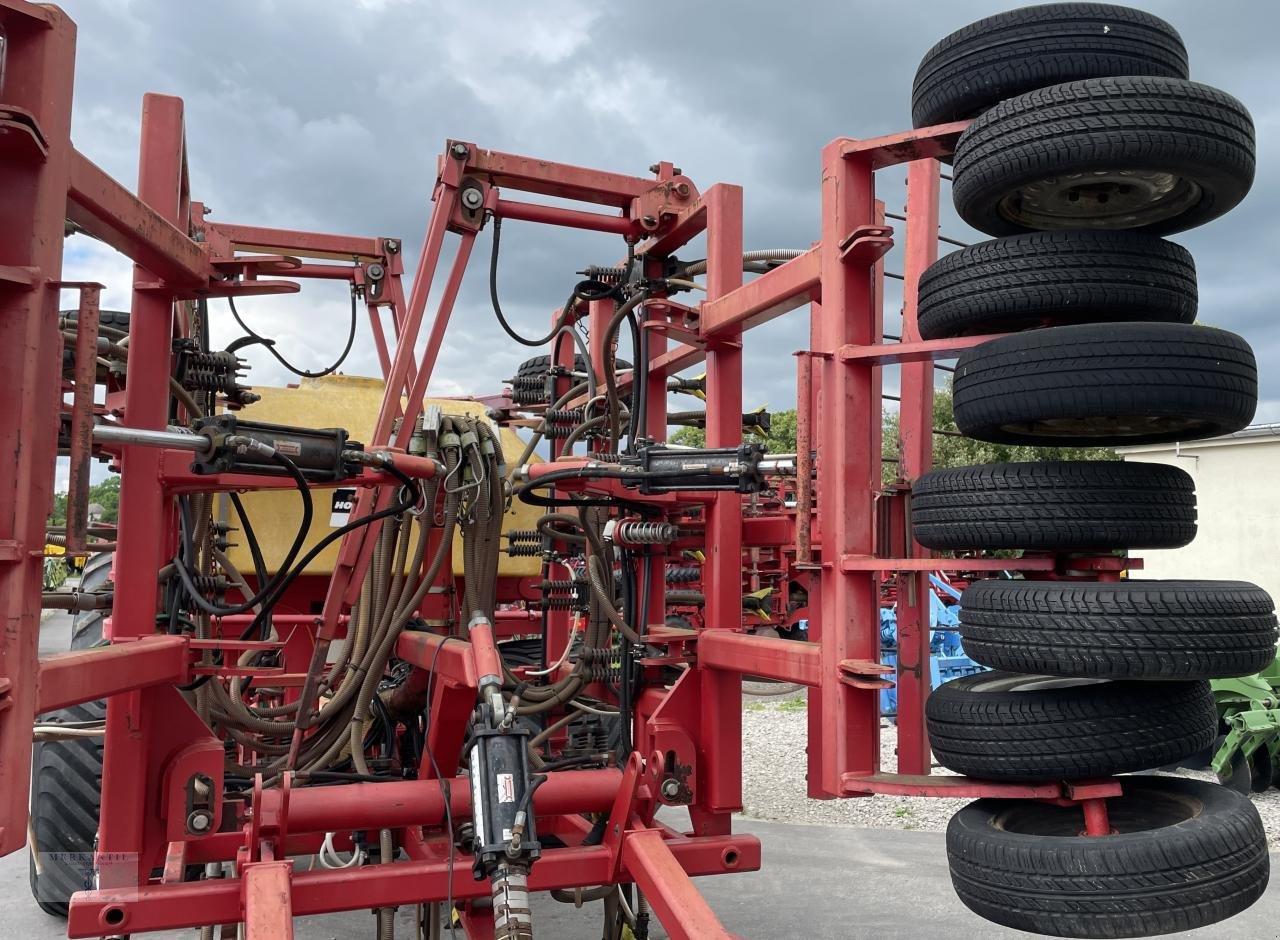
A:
x: 329, y: 858
x: 592, y: 709
x: 573, y: 632
x: 61, y: 733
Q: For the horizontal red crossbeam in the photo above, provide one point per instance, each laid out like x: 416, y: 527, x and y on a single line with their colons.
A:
x: 304, y: 244
x: 918, y: 351
x: 568, y: 218
x: 526, y: 174
x: 783, y: 660
x: 454, y: 662
x: 968, y: 787
x: 919, y: 144
x: 88, y: 675
x: 218, y: 901
x: 108, y: 211
x: 786, y: 287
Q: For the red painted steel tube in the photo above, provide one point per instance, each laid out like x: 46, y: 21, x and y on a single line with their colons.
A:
x: 267, y: 912
x: 666, y: 886
x: 783, y: 660
x: 145, y: 526
x: 356, y: 549
x: 133, y: 225
x: 568, y: 218
x: 1096, y: 820
x: 720, y: 786
x: 530, y: 175
x: 916, y: 441
x: 33, y: 201
x: 904, y: 147
x: 846, y: 720
x: 304, y: 244
x: 188, y: 904
x: 785, y: 288
x: 911, y: 350
x: 453, y: 663
x: 88, y: 675
x: 359, y: 806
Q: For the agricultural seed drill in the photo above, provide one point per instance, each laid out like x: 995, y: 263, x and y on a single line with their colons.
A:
x: 300, y: 700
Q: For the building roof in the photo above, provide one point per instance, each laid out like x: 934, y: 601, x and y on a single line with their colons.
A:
x: 1254, y: 434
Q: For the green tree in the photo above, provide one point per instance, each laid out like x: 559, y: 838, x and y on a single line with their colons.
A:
x: 781, y: 438
x: 106, y: 494
x: 950, y: 448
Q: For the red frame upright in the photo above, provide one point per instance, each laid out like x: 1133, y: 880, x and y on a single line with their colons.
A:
x: 154, y: 741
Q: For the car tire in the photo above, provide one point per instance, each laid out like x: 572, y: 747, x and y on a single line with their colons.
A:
x: 1012, y: 726
x: 1128, y: 383
x: 970, y: 71
x: 1054, y: 279
x: 1054, y: 506
x: 1183, y: 854
x: 1157, y: 155
x: 1120, y: 629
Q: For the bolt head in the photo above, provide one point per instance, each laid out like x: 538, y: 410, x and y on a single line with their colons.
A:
x: 375, y: 271
x: 199, y: 821
x: 460, y: 151
x: 472, y: 198
x: 671, y: 788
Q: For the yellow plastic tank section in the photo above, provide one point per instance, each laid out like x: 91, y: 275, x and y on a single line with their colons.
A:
x: 351, y: 402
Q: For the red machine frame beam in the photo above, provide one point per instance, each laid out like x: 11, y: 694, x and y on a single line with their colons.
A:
x: 305, y: 244
x: 87, y: 675
x: 783, y: 660
x: 173, y: 906
x: 107, y: 210
x: 546, y: 178
x: 41, y: 67
x: 785, y: 288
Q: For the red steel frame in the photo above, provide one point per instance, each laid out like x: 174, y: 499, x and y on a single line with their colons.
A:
x: 154, y: 740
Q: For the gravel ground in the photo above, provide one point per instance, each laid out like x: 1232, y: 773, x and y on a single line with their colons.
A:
x: 773, y: 777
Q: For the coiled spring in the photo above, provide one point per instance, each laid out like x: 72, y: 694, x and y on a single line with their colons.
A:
x: 647, y: 533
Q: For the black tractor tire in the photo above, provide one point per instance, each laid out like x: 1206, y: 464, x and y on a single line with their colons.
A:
x: 1184, y: 854
x: 1126, y: 383
x: 1011, y: 726
x: 1054, y: 279
x: 1054, y: 506
x: 66, y: 796
x: 1120, y: 629
x: 87, y: 625
x: 1020, y: 50
x: 119, y: 319
x: 1158, y: 155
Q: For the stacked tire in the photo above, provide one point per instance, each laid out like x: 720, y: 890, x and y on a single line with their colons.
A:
x: 1088, y: 143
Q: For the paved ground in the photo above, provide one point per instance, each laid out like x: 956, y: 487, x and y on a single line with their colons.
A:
x: 816, y: 882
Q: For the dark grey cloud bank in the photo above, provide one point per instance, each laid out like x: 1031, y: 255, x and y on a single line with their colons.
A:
x: 330, y: 115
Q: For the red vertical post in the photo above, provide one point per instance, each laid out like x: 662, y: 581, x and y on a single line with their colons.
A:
x: 848, y: 444
x: 144, y: 508
x: 656, y: 429
x: 720, y: 787
x: 33, y: 201
x: 916, y: 432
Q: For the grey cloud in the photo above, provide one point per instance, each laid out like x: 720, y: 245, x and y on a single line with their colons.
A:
x: 327, y: 115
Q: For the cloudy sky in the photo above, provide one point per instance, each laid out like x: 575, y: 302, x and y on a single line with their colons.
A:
x: 329, y: 116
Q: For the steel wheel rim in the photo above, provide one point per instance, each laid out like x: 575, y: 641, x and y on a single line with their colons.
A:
x: 1103, y: 199
x: 1112, y: 426
x: 1139, y: 809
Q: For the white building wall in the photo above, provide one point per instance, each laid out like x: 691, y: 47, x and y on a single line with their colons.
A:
x: 1238, y: 503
